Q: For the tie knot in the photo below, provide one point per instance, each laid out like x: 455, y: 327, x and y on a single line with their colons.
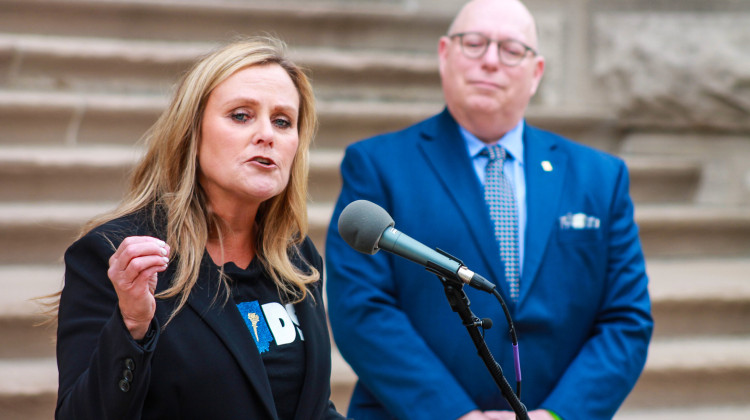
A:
x: 495, y: 152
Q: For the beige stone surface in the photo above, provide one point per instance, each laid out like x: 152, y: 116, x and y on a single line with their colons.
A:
x: 676, y: 69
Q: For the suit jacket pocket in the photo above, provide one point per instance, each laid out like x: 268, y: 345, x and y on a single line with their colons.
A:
x: 578, y: 235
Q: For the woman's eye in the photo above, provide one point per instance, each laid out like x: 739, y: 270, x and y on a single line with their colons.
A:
x: 282, y: 123
x: 240, y: 116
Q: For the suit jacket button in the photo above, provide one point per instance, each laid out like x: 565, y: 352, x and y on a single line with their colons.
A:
x: 130, y: 364
x: 124, y: 385
x: 127, y: 374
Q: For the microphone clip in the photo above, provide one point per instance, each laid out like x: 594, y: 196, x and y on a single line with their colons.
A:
x: 443, y: 273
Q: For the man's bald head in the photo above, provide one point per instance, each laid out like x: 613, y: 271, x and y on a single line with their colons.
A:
x: 477, y: 8
x: 490, y: 67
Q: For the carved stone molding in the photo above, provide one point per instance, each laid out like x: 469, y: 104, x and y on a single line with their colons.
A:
x: 675, y: 70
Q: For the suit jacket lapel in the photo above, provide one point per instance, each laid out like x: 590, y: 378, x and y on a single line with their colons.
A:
x: 226, y: 322
x: 544, y: 184
x: 445, y: 151
x: 316, y: 375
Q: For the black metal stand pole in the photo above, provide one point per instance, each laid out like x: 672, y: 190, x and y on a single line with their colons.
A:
x: 459, y: 302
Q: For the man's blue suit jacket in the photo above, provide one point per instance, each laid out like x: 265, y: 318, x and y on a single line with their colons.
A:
x: 583, y: 315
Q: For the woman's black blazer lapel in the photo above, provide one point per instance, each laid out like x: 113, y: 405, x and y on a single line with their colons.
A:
x: 317, y: 354
x: 225, y: 321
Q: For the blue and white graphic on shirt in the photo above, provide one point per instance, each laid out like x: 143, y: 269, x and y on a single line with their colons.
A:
x: 270, y: 322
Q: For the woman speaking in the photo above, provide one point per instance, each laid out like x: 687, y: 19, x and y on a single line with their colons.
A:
x: 199, y: 297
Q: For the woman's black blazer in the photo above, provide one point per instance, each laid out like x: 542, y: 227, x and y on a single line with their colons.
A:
x: 204, y: 365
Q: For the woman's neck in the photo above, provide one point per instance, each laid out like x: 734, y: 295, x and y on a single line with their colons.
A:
x: 237, y: 240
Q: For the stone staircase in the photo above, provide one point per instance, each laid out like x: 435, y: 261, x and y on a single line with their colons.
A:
x: 82, y: 80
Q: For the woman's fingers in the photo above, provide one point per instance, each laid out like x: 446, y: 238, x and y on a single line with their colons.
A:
x: 137, y: 246
x: 147, y: 277
x: 133, y: 270
x: 135, y: 254
x: 139, y: 269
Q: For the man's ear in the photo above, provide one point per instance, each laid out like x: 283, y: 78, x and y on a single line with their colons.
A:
x: 538, y: 73
x: 443, y: 46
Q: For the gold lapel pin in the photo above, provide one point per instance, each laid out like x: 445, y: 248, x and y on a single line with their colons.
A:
x: 546, y: 166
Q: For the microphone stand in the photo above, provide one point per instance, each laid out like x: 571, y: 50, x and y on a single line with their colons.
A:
x: 459, y: 303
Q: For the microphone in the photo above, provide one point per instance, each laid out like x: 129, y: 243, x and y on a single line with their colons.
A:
x: 367, y: 228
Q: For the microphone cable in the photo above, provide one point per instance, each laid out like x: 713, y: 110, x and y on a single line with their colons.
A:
x: 513, y: 340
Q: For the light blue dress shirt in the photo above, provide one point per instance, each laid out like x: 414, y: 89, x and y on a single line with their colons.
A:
x: 513, y: 168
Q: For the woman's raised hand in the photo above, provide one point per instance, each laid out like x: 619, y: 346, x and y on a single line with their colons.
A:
x: 133, y: 269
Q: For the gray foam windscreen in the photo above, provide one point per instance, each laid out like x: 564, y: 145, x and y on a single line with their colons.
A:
x: 362, y: 223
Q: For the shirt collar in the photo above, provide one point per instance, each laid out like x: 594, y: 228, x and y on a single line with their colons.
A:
x: 512, y: 142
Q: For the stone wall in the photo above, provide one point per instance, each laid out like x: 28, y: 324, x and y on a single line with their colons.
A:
x: 676, y: 69
x: 677, y: 76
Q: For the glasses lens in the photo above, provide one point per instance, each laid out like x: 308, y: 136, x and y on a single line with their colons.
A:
x: 512, y: 52
x: 473, y: 45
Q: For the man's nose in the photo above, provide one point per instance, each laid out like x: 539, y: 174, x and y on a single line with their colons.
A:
x: 491, y: 57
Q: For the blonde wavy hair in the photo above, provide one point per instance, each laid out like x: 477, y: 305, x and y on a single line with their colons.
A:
x: 166, y: 178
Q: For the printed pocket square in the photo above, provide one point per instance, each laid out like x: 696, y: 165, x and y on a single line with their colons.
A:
x: 579, y: 221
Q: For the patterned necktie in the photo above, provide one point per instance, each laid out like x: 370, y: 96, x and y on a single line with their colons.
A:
x: 498, y: 193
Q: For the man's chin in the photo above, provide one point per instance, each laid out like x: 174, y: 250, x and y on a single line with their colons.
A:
x: 484, y: 104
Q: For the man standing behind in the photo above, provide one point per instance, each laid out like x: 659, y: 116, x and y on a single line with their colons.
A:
x: 550, y: 222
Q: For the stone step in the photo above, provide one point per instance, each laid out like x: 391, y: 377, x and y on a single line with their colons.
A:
x: 324, y: 183
x: 318, y: 217
x: 677, y: 231
x: 700, y: 297
x: 343, y: 379
x: 90, y: 173
x: 663, y: 179
x: 77, y: 118
x: 97, y: 173
x: 114, y: 65
x: 344, y: 25
x: 694, y: 231
x: 39, y: 232
x: 690, y: 298
x: 22, y: 310
x: 724, y: 412
x: 679, y: 373
x: 28, y: 388
x: 53, y: 118
x: 673, y: 362
x: 694, y: 372
x: 48, y: 228
x: 674, y: 285
x: 28, y: 380
x: 21, y: 313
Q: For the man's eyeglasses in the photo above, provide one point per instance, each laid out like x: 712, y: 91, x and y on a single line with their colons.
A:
x: 510, y: 51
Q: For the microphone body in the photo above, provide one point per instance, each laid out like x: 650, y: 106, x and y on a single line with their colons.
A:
x: 367, y: 228
x: 395, y: 241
